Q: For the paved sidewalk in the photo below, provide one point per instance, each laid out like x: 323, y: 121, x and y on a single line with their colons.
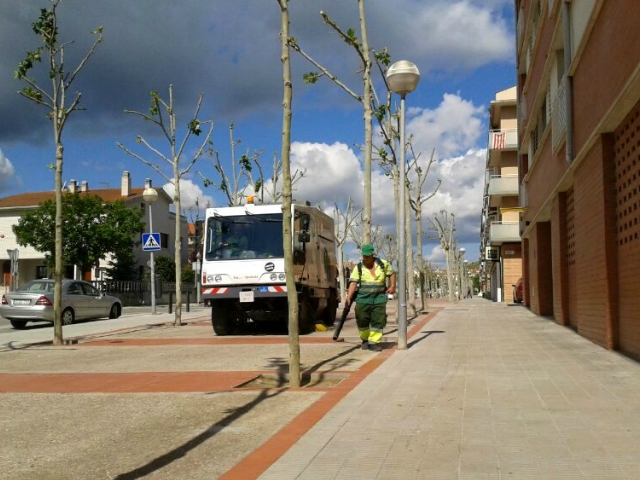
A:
x: 485, y: 391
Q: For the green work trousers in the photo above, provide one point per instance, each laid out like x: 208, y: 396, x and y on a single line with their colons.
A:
x: 371, y: 320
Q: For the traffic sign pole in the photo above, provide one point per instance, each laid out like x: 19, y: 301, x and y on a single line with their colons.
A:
x: 153, y: 269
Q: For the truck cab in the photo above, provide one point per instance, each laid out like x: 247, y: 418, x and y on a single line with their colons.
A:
x: 243, y: 268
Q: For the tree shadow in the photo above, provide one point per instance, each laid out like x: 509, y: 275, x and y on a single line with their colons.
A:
x: 15, y: 346
x: 281, y: 375
x: 306, y: 374
x: 233, y: 415
x: 426, y: 334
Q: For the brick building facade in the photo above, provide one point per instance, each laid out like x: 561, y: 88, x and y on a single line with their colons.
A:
x: 579, y: 156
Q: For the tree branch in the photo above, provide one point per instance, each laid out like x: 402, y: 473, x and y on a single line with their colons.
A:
x: 326, y: 72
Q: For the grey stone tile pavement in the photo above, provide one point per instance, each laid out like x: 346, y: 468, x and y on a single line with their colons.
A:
x: 484, y: 391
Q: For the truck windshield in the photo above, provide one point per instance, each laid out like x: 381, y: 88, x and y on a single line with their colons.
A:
x: 243, y: 237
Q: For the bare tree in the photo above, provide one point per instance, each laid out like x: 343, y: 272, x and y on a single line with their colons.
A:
x: 343, y: 223
x: 272, y: 186
x: 388, y: 247
x: 416, y: 205
x: 362, y: 50
x: 56, y: 102
x: 156, y: 115
x: 287, y: 197
x: 357, y: 236
x: 232, y: 185
x: 444, y: 226
x: 229, y: 184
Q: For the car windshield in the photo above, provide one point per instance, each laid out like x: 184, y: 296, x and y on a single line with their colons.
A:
x: 244, y: 236
x: 37, y: 287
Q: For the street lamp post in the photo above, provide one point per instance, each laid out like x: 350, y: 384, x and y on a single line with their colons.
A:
x: 402, y: 78
x: 150, y: 195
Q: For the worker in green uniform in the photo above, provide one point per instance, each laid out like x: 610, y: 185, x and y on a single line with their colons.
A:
x: 369, y: 279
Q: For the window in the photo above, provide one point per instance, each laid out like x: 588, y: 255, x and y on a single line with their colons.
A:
x: 164, y: 240
x: 244, y: 236
x: 41, y: 271
x: 74, y: 289
x: 90, y: 290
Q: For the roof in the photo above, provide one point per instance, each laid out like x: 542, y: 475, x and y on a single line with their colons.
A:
x: 30, y: 199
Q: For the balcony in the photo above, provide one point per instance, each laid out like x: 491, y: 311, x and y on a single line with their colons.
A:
x: 501, y: 141
x: 504, y: 232
x: 503, y: 185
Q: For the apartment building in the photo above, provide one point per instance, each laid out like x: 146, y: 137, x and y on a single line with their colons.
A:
x: 500, y: 246
x: 31, y: 264
x: 578, y: 88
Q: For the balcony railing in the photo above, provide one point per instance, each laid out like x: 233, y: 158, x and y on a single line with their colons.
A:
x: 501, y: 232
x: 559, y: 114
x: 503, y: 185
x: 503, y: 139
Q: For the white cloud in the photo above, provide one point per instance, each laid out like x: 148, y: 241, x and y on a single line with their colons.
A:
x: 462, y: 184
x: 461, y: 197
x: 192, y: 199
x: 455, y: 129
x: 455, y: 35
x: 7, y: 172
x: 333, y: 172
x: 436, y: 256
x: 451, y: 128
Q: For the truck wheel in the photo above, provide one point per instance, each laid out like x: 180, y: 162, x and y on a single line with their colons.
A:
x: 330, y: 313
x: 306, y: 322
x: 223, y: 324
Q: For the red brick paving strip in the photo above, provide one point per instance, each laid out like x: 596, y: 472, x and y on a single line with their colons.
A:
x: 146, y: 342
x: 258, y: 461
x: 139, y: 382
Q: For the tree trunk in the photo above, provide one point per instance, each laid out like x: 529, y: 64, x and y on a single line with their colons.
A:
x: 450, y: 277
x: 411, y: 283
x: 58, y: 271
x: 421, y: 267
x: 292, y: 295
x: 341, y: 275
x: 368, y: 135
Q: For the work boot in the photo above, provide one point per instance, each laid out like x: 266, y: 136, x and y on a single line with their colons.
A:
x: 365, y: 345
x: 375, y: 347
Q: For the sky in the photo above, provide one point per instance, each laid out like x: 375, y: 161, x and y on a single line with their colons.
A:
x: 229, y: 50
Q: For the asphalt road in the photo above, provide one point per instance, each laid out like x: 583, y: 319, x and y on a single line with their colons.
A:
x: 5, y: 325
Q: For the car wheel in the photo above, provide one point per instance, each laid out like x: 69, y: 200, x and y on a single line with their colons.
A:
x: 68, y: 317
x: 18, y: 324
x: 115, y: 311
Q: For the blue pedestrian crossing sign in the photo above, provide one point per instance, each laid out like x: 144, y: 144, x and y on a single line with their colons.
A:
x: 150, y: 242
